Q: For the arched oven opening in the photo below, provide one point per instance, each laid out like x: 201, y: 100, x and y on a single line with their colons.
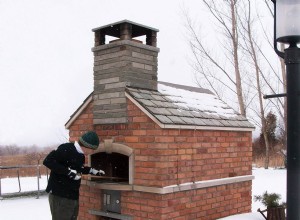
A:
x: 115, y: 166
x: 116, y: 160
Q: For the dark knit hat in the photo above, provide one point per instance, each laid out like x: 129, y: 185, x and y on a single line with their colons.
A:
x: 90, y: 140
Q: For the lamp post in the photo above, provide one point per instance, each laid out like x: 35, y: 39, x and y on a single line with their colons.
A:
x: 287, y: 31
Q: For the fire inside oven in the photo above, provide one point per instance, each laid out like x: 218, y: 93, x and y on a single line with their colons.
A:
x: 115, y: 166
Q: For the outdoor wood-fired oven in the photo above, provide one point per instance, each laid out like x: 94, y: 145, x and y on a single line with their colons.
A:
x: 169, y: 151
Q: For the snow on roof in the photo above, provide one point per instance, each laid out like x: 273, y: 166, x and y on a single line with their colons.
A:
x: 196, y: 101
x: 174, y: 106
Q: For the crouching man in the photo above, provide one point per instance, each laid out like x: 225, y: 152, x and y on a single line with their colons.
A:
x: 67, y: 164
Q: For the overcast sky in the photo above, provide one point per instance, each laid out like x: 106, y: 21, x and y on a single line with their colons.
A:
x: 46, y: 63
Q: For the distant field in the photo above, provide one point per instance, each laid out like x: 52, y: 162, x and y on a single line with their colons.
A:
x: 19, y: 160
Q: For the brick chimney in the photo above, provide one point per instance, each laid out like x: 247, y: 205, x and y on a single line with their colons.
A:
x: 123, y: 62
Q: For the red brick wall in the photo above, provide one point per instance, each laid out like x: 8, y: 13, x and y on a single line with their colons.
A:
x: 208, y: 203
x: 205, y: 204
x: 169, y: 156
x: 90, y: 199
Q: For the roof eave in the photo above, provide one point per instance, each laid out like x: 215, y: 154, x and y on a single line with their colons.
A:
x: 80, y: 109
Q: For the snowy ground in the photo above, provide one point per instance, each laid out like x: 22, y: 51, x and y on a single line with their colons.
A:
x: 37, y: 209
x: 27, y: 208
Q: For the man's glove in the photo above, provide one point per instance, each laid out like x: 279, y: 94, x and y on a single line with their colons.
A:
x: 97, y: 172
x: 73, y: 175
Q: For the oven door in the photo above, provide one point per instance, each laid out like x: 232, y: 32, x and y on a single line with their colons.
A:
x: 111, y: 201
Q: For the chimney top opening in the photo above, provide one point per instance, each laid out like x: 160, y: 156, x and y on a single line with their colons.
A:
x: 125, y: 30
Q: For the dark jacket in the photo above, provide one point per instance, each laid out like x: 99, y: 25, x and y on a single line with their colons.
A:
x: 59, y: 161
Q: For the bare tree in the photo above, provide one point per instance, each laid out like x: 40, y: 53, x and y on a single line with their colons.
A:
x: 12, y: 150
x: 250, y: 47
x: 215, y: 72
x: 279, y: 86
x: 280, y: 104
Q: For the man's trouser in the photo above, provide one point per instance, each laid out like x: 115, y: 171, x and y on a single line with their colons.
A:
x: 62, y: 208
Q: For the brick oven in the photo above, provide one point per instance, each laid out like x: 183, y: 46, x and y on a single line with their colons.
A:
x: 169, y: 151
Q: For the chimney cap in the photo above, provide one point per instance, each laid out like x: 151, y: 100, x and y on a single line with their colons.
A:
x: 113, y: 28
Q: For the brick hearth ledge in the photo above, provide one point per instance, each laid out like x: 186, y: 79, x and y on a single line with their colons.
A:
x: 171, y: 188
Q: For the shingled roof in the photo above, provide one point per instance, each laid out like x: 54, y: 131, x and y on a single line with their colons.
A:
x: 184, y: 107
x: 177, y: 106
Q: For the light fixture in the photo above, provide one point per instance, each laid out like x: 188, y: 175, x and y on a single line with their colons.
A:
x: 286, y: 23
